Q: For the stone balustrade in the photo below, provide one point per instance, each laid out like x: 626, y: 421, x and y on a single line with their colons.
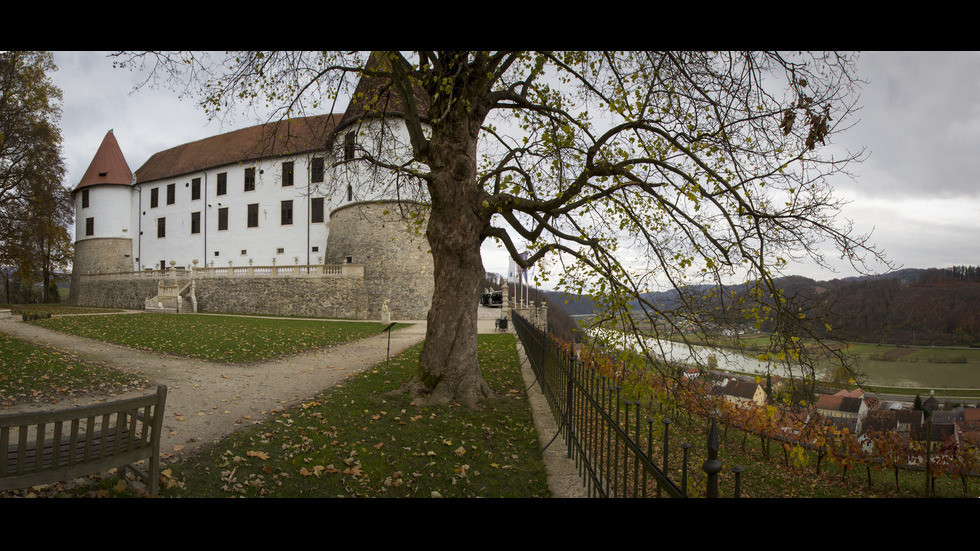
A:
x: 295, y: 270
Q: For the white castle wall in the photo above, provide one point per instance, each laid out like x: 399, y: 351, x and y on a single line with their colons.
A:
x: 109, y: 207
x: 301, y: 241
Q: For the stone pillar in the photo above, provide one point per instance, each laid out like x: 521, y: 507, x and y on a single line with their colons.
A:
x: 504, y: 302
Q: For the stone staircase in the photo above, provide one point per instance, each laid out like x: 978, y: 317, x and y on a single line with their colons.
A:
x: 172, y: 299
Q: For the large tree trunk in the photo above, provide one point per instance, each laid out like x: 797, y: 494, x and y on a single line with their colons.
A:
x: 450, y: 368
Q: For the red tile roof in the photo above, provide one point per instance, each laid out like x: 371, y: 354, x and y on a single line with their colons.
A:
x: 287, y: 137
x: 108, y: 166
x: 375, y: 96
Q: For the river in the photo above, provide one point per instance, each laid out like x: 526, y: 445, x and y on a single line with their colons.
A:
x: 878, y: 373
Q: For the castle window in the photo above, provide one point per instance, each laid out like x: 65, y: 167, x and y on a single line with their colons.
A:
x: 316, y: 210
x: 195, y: 189
x: 349, y: 144
x: 84, y: 198
x: 154, y: 198
x: 250, y: 179
x: 316, y: 170
x: 171, y: 193
x: 195, y: 222
x: 350, y: 193
x: 286, y: 213
x: 253, y: 215
x: 161, y: 227
x: 287, y: 174
x: 90, y: 226
x: 222, y: 183
x: 223, y: 218
x: 316, y: 249
x: 280, y: 250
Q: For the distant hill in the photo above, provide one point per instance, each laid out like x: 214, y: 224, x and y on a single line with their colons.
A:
x: 922, y: 307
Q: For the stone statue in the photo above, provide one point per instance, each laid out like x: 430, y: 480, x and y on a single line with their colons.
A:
x: 385, y: 313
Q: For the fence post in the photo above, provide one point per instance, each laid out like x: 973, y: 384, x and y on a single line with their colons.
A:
x: 685, y: 446
x: 569, y: 403
x: 712, y: 466
x: 649, y: 454
x: 737, y: 469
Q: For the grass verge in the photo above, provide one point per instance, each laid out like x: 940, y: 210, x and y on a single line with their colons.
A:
x: 53, y: 309
x: 228, y: 339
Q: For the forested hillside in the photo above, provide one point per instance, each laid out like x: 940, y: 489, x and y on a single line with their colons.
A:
x: 940, y: 307
x: 930, y: 307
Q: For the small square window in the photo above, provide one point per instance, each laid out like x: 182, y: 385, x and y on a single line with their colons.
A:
x: 281, y: 250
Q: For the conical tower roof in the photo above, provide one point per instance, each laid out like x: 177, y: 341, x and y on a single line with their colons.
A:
x: 376, y: 97
x: 108, y: 167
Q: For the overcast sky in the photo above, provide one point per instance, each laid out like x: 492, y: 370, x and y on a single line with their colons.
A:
x: 920, y: 123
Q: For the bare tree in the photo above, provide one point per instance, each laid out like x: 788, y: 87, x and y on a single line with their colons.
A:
x: 629, y: 172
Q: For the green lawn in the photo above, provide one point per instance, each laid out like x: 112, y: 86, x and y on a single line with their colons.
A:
x: 229, y: 339
x: 29, y: 372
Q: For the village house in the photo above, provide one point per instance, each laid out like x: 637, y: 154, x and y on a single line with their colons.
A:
x: 741, y: 392
x: 843, y: 411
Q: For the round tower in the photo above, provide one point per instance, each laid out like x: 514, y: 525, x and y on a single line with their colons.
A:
x: 387, y: 238
x: 103, y: 215
x: 381, y: 221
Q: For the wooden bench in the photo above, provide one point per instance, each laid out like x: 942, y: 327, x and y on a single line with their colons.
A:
x: 83, y: 440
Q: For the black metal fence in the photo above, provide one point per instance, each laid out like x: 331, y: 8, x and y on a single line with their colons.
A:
x: 611, y: 440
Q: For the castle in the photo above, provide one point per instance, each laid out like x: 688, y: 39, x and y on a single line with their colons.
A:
x: 255, y: 221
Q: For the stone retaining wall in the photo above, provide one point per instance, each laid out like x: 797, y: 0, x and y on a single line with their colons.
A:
x: 334, y: 297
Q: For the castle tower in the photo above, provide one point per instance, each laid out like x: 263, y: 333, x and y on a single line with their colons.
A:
x: 385, y: 238
x: 381, y: 224
x: 103, y: 215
